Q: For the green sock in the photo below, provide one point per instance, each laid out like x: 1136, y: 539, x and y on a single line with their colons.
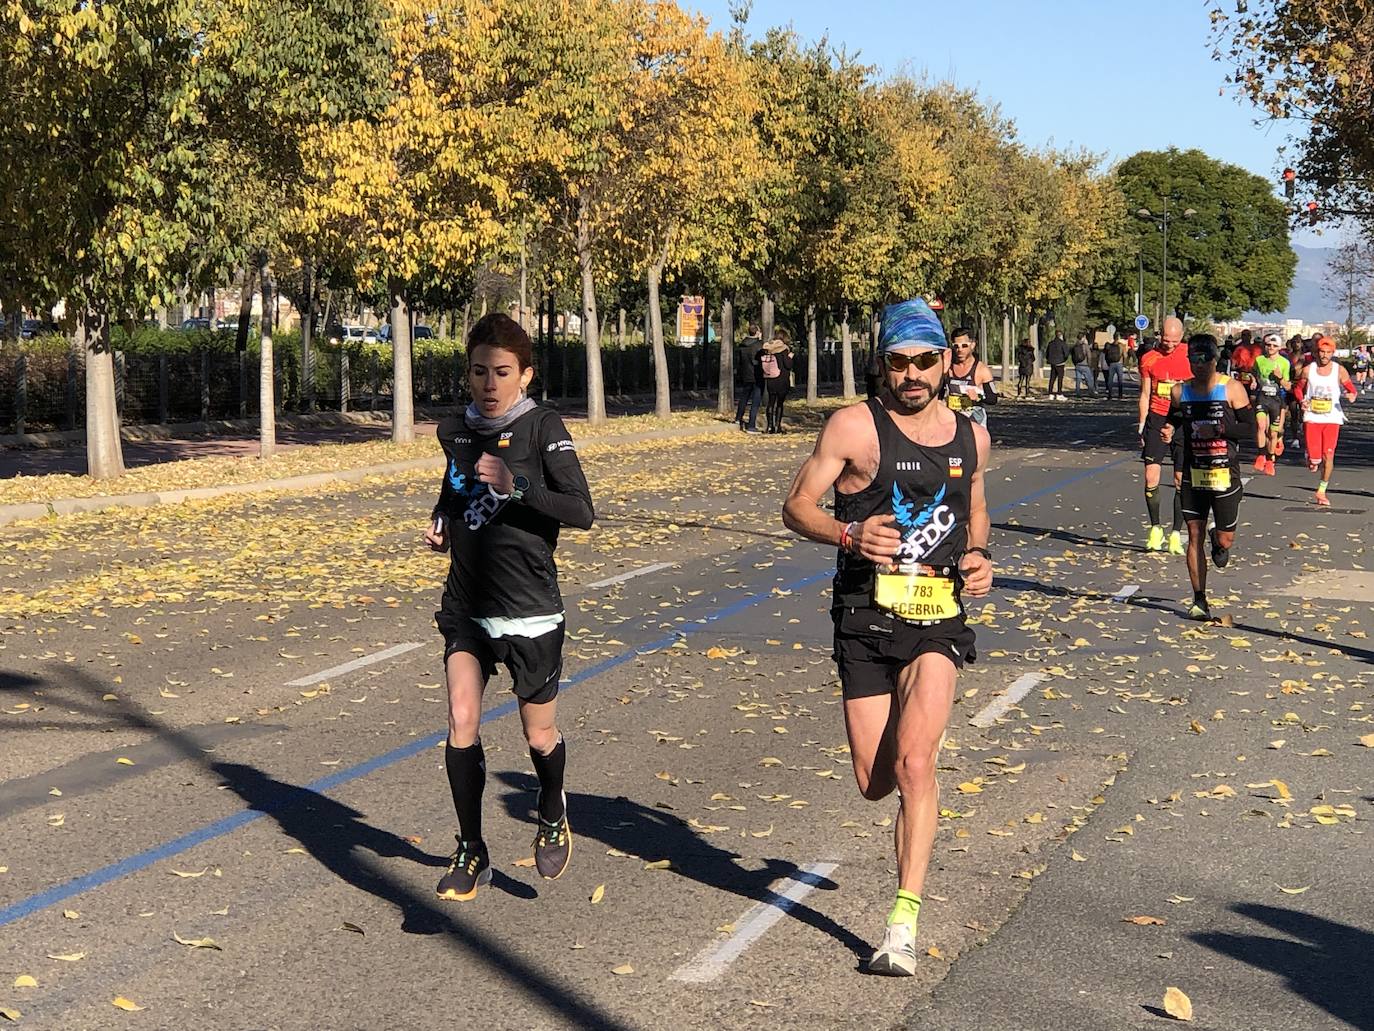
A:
x: 906, y: 909
x: 1321, y: 485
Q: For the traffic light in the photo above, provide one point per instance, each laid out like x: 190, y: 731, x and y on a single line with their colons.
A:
x: 1313, y: 209
x: 1290, y: 178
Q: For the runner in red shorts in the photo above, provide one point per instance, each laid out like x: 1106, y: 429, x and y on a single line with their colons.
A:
x: 1320, y: 390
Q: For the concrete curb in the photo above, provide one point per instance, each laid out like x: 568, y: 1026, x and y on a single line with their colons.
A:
x: 306, y: 481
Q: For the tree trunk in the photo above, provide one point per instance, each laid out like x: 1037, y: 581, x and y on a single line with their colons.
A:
x: 812, y: 364
x: 402, y: 400
x: 725, y: 395
x: 766, y: 316
x: 1007, y: 349
x: 104, y: 452
x: 662, y: 388
x: 245, y: 311
x: 591, y: 336
x: 846, y: 356
x: 307, y: 337
x: 1033, y: 331
x: 267, y: 402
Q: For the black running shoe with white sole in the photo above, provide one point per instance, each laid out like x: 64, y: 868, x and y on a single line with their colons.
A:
x: 553, y: 845
x: 1220, y: 555
x: 469, y: 868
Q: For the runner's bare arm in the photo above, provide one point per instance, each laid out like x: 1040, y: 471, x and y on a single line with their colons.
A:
x: 837, y: 447
x: 1347, y: 387
x: 1145, y: 387
x: 975, y: 567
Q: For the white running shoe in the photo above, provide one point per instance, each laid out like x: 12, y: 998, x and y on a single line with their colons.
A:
x: 896, y: 956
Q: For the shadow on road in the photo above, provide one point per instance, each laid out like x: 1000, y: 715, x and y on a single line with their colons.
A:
x: 341, y: 840
x: 1325, y: 962
x: 653, y: 834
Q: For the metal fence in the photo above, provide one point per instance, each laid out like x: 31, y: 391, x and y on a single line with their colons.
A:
x: 45, y: 390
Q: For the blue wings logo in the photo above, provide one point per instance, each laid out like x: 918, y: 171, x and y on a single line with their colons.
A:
x: 902, y: 510
x: 456, y: 479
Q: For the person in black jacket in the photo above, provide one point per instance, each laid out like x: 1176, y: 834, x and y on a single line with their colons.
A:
x: 1025, y: 368
x: 513, y: 478
x: 1057, y: 355
x: 749, y: 379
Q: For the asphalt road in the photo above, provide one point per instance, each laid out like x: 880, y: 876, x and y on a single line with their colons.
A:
x: 220, y: 721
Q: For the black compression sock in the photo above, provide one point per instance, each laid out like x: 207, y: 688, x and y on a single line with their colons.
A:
x: 549, y: 769
x: 467, y: 779
x: 1152, y: 504
x: 1178, y: 510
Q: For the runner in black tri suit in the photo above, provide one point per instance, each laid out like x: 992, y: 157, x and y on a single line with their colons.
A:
x: 1213, y: 414
x: 512, y: 479
x: 968, y: 388
x: 912, y: 527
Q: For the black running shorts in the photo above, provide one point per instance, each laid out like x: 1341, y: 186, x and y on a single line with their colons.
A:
x: 1224, y: 506
x: 535, y: 663
x: 1155, y: 450
x: 1270, y: 405
x: 872, y: 647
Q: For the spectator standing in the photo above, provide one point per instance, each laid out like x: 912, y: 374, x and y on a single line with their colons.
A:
x: 1083, y: 378
x: 1098, y: 364
x: 1025, y: 368
x: 749, y: 379
x: 1113, y: 355
x: 1057, y: 354
x: 776, y: 362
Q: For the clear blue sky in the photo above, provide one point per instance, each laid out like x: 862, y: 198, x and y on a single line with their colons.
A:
x: 1109, y: 76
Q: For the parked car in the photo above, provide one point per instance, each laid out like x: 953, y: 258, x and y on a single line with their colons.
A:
x: 30, y: 328
x: 352, y: 334
x: 418, y: 333
x: 191, y: 325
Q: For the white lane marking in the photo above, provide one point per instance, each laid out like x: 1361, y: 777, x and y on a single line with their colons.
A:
x: 1077, y: 443
x: 1038, y: 454
x: 1245, y: 480
x: 1125, y: 592
x: 710, y: 962
x: 359, y: 663
x: 1000, y: 706
x: 641, y: 571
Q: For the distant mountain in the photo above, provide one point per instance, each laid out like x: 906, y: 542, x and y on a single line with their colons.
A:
x: 1306, y: 301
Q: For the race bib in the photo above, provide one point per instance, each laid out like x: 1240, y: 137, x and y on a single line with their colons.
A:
x: 1164, y: 387
x: 1271, y: 389
x: 1321, y: 405
x: 915, y: 597
x: 956, y: 401
x: 1211, y: 479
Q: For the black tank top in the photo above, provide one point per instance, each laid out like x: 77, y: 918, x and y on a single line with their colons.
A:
x: 1209, y: 421
x: 955, y: 386
x: 926, y: 488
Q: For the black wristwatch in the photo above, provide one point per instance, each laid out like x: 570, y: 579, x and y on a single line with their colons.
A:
x: 522, y: 484
x: 982, y: 551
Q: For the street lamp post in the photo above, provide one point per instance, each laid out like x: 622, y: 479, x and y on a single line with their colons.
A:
x: 1163, y: 222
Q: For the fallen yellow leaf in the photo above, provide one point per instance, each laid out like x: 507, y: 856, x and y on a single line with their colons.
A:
x: 26, y: 981
x: 659, y: 864
x: 1367, y: 740
x: 124, y: 761
x: 67, y: 957
x: 10, y: 1014
x: 1145, y: 921
x: 1177, y: 1005
x: 1294, y: 891
x: 196, y: 943
x: 598, y: 894
x: 527, y: 861
x: 624, y: 968
x: 127, y: 1004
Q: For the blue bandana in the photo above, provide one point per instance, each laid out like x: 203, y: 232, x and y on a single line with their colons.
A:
x: 910, y: 324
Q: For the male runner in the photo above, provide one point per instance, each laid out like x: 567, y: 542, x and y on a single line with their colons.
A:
x: 513, y: 478
x: 968, y: 388
x: 1214, y: 414
x: 1160, y: 370
x: 1271, y: 380
x: 1319, y: 391
x: 911, y: 523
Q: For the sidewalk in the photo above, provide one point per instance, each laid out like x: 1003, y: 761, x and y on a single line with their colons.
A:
x: 175, y: 449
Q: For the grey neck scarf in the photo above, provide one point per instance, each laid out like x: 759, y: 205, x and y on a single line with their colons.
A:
x: 479, y: 422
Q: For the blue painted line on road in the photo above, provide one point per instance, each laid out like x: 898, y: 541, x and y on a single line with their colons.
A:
x: 141, y: 860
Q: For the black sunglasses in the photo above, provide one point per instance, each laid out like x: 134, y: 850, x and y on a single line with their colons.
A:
x: 923, y: 361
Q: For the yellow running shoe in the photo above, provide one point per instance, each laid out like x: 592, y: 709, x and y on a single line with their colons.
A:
x: 1175, y: 543
x: 1155, y: 541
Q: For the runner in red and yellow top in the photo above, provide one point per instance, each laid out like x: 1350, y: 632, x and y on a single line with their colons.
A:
x: 1320, y: 390
x: 1160, y: 370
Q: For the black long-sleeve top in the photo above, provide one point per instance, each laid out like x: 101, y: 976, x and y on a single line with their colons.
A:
x: 502, y: 548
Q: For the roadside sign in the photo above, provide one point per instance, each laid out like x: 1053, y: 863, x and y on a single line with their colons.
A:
x: 689, y: 318
x: 1142, y: 322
